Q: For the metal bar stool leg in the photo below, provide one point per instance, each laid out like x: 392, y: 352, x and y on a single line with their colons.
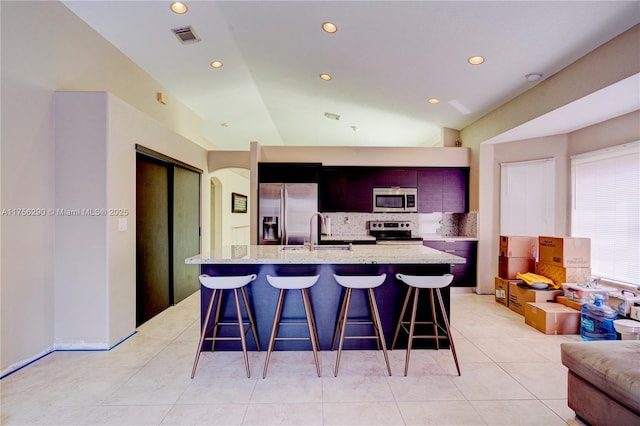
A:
x: 243, y: 340
x: 446, y: 324
x: 343, y: 326
x: 312, y: 328
x: 313, y: 319
x: 402, y: 313
x: 274, y: 331
x: 203, y: 333
x: 373, y: 322
x: 216, y: 319
x: 337, y: 329
x: 435, y: 318
x: 251, y: 320
x: 378, y: 326
x: 412, y: 326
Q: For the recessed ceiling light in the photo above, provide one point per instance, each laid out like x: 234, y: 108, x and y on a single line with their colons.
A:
x: 329, y: 27
x: 216, y: 64
x: 433, y: 101
x: 475, y: 60
x: 325, y: 77
x: 179, y: 7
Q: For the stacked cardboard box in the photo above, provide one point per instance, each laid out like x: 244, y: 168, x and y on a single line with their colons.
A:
x: 564, y: 259
x: 552, y: 318
x: 519, y: 296
x: 517, y: 254
x: 502, y: 290
x: 566, y: 301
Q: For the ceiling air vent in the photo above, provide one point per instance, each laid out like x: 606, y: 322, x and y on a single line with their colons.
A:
x: 186, y: 35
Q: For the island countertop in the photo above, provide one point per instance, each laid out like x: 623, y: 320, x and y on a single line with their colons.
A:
x: 356, y: 254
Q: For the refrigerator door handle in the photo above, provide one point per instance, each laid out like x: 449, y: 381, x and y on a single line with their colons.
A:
x: 283, y: 211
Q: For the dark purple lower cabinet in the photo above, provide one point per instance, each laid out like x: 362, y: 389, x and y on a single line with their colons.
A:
x: 325, y: 296
x: 464, y: 274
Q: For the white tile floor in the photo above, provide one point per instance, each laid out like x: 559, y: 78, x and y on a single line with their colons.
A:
x: 511, y: 375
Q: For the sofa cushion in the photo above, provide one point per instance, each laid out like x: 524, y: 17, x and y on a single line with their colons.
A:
x: 613, y: 366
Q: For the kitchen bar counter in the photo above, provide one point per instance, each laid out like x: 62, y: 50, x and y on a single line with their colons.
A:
x: 326, y: 254
x: 326, y: 294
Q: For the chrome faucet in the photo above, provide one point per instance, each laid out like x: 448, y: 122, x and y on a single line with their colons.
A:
x: 311, y: 228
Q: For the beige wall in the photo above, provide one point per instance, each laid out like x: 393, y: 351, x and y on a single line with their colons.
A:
x: 46, y: 48
x: 612, y: 62
x: 612, y: 132
x: 231, y: 226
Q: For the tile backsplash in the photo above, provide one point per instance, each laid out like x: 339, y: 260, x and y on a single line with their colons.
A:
x: 436, y: 224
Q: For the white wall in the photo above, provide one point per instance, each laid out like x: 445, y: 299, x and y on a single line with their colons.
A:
x: 95, y: 274
x: 46, y: 48
x: 80, y: 254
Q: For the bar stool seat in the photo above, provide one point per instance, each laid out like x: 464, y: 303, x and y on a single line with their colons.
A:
x: 359, y: 282
x: 301, y: 283
x: 415, y: 283
x: 218, y: 284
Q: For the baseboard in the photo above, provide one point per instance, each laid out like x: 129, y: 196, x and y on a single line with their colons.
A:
x: 61, y: 347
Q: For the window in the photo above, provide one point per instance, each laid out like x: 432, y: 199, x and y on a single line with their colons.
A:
x: 606, y: 208
x: 527, y: 198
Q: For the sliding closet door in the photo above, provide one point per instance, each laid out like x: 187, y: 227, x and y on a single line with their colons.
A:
x: 153, y: 274
x: 186, y: 231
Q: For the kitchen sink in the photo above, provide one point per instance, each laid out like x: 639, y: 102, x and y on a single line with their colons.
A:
x: 319, y: 248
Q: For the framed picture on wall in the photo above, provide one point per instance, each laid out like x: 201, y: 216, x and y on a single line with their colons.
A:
x: 238, y: 203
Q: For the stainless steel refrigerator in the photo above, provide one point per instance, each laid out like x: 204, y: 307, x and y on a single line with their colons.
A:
x: 284, y: 213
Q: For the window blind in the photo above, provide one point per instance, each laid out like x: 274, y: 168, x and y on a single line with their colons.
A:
x: 606, y: 208
x: 527, y: 198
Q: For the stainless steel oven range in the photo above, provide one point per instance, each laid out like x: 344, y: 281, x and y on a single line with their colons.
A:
x: 393, y: 232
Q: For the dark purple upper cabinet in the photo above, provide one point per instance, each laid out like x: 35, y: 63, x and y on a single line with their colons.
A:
x: 346, y: 189
x: 430, y: 190
x: 455, y: 193
x: 404, y: 178
x: 360, y: 191
x: 443, y: 190
x: 333, y: 190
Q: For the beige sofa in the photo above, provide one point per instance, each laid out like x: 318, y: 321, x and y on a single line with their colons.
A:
x: 604, y: 381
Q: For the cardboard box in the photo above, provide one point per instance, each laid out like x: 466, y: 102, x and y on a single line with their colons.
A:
x: 519, y: 296
x: 502, y: 290
x: 635, y: 313
x: 560, y: 274
x: 573, y: 304
x: 552, y: 318
x: 569, y: 252
x: 518, y: 246
x: 508, y: 267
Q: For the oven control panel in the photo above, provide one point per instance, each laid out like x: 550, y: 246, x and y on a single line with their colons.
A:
x: 393, y: 225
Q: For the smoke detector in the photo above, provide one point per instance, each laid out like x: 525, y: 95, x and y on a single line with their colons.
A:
x: 186, y: 35
x: 533, y: 77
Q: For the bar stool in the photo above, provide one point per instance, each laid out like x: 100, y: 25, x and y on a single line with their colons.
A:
x: 301, y: 283
x: 362, y: 283
x: 227, y: 283
x: 417, y: 282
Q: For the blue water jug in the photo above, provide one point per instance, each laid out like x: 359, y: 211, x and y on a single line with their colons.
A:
x: 596, y: 322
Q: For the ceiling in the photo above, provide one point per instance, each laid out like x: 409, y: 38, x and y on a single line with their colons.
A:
x: 386, y: 59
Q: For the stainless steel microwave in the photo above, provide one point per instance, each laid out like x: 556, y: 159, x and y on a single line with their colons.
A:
x: 395, y: 200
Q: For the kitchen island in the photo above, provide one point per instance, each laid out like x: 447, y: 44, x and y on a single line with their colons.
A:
x: 326, y: 294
